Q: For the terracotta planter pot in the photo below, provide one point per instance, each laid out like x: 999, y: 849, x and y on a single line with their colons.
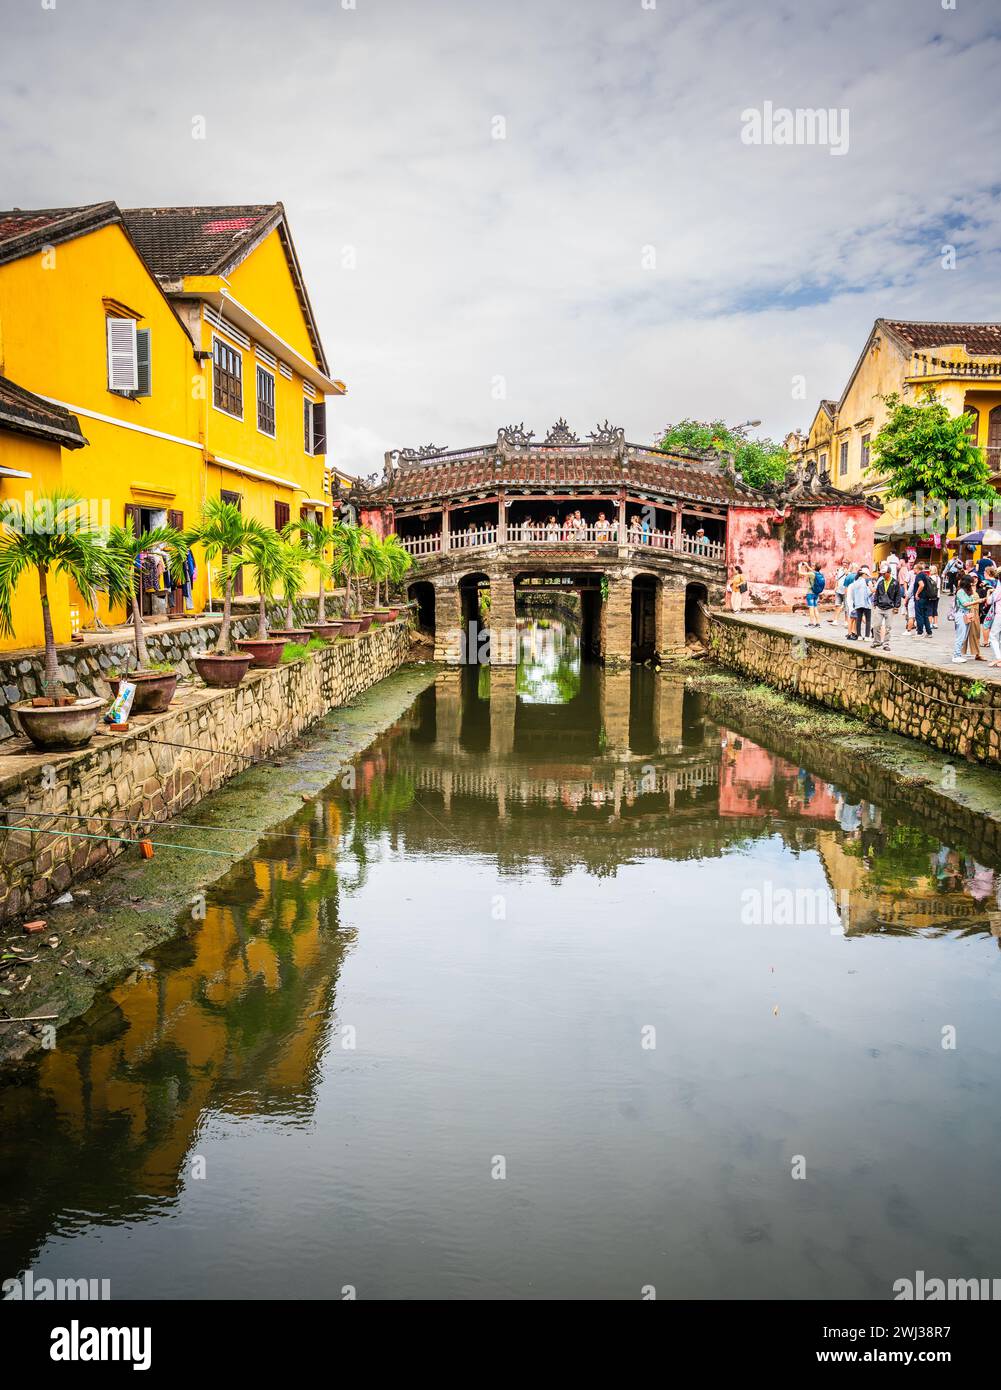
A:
x: 61, y: 726
x: 364, y: 621
x: 383, y: 615
x: 154, y: 690
x: 292, y: 634
x: 394, y: 613
x: 266, y: 652
x: 350, y: 627
x: 328, y: 630
x: 221, y: 672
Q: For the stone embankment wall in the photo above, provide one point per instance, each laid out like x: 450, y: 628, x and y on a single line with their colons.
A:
x: 942, y: 708
x: 141, y: 777
x: 84, y: 667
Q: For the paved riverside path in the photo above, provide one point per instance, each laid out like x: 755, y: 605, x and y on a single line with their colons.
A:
x: 929, y: 651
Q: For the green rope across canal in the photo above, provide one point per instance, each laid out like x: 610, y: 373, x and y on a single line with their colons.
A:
x: 121, y: 839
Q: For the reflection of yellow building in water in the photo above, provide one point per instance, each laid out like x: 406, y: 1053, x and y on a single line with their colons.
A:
x: 232, y: 1017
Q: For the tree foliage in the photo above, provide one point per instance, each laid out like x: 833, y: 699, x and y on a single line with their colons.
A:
x: 923, y: 449
x: 756, y: 460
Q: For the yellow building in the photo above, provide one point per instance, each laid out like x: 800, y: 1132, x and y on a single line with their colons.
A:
x: 184, y: 340
x: 33, y: 435
x: 961, y: 362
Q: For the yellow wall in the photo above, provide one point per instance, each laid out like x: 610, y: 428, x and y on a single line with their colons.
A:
x: 263, y: 284
x: 53, y: 341
x: 44, y: 462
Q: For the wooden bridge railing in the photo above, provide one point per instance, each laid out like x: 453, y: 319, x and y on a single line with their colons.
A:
x: 538, y: 533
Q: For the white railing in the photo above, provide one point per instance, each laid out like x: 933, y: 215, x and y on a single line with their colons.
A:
x: 422, y: 545
x: 538, y: 533
x: 468, y: 540
x: 704, y: 548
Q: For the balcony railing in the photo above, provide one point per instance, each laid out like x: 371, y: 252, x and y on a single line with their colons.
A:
x: 925, y: 365
x: 537, y: 533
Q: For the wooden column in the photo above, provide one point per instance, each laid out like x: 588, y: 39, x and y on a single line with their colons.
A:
x: 677, y: 530
x: 445, y: 525
x: 501, y: 519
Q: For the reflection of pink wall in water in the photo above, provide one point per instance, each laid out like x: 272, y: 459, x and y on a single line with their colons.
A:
x: 770, y: 551
x: 749, y: 770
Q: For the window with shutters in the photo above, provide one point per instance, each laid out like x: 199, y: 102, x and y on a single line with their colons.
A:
x: 265, y: 402
x: 283, y: 514
x: 843, y: 459
x: 823, y: 463
x: 314, y: 426
x: 865, y: 451
x: 227, y: 378
x: 123, y: 354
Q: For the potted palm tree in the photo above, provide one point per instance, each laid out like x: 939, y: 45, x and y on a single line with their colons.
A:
x: 399, y: 561
x: 267, y: 553
x: 376, y: 563
x: 224, y: 534
x: 155, y: 685
x: 54, y: 537
x: 349, y: 565
x: 315, y: 538
x: 293, y: 582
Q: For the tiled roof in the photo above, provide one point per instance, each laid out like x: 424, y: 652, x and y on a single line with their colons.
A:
x: 175, y: 242
x: 23, y: 231
x: 26, y: 413
x: 977, y: 338
x: 644, y: 471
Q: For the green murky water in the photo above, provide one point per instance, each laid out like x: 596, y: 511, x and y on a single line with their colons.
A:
x: 566, y: 991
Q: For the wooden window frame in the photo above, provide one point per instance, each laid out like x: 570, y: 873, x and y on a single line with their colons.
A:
x: 272, y: 432
x: 843, y: 459
x: 221, y: 372
x: 866, y: 451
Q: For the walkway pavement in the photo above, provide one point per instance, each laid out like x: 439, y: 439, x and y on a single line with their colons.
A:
x: 929, y: 651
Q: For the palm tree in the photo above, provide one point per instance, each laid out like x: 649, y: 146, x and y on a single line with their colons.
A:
x: 316, y: 538
x: 375, y: 563
x: 293, y: 581
x: 128, y: 547
x: 224, y: 533
x: 348, y: 562
x: 267, y: 565
x: 52, y: 537
x: 398, y: 559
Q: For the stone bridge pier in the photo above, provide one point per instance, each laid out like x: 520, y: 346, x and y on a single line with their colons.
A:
x: 627, y: 613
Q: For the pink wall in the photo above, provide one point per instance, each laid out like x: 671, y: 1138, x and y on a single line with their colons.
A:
x: 377, y: 520
x: 770, y: 551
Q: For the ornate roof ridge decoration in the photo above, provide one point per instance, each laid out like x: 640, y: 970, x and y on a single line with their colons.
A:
x: 426, y: 451
x: 613, y: 435
x: 806, y: 483
x: 515, y: 436
x: 561, y: 433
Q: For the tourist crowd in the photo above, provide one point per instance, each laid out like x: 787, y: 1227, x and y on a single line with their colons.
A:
x: 869, y: 600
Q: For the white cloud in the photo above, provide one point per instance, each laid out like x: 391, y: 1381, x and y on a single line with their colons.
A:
x: 521, y: 258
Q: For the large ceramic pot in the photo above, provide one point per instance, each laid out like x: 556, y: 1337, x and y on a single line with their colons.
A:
x: 154, y: 690
x: 266, y: 652
x: 221, y: 671
x: 392, y: 614
x: 327, y: 630
x: 350, y: 627
x: 291, y: 634
x: 383, y: 615
x: 52, y: 727
x: 364, y: 621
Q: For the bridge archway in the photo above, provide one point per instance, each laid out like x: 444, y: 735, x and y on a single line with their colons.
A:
x: 696, y: 596
x: 422, y: 593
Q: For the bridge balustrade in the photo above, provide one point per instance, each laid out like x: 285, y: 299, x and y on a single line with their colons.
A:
x: 538, y: 533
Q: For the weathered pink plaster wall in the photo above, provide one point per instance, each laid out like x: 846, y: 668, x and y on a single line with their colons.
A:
x: 378, y: 521
x: 770, y: 551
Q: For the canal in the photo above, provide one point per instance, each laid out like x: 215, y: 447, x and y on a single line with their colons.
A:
x: 562, y: 989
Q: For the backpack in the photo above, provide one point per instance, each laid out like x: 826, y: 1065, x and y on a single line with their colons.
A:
x: 930, y: 591
x: 818, y: 583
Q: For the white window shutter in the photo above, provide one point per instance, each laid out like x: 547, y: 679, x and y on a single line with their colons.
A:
x: 123, y: 355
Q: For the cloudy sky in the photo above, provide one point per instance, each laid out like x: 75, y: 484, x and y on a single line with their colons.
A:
x: 513, y: 210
